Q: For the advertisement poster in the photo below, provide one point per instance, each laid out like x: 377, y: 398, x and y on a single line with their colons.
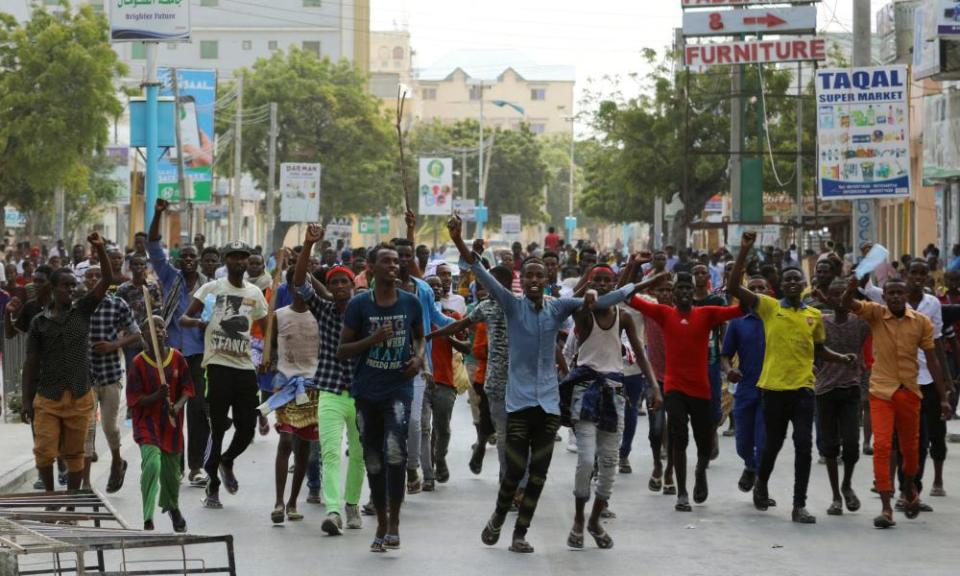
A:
x: 510, y: 226
x: 299, y: 192
x: 436, y: 186
x: 466, y: 208
x: 863, y: 133
x: 158, y: 20
x: 120, y: 160
x: 198, y: 92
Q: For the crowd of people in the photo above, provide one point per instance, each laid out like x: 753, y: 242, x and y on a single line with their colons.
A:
x: 370, y: 348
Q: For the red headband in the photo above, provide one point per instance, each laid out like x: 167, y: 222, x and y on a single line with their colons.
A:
x: 595, y: 269
x: 340, y: 270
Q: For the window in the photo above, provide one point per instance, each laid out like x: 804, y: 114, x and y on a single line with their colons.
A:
x: 272, y: 45
x: 538, y: 93
x: 538, y: 128
x: 398, y: 53
x: 209, y: 2
x: 248, y: 44
x: 475, y: 92
x: 312, y: 47
x: 138, y: 51
x: 429, y: 94
x: 209, y: 49
x: 312, y: 4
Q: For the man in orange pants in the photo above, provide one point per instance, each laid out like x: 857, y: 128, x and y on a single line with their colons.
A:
x: 894, y: 394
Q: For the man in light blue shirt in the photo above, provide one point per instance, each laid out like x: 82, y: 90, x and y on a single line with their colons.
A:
x: 533, y: 394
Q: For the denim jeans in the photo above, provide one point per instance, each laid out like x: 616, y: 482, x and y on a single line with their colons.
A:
x: 749, y: 427
x: 438, y: 401
x: 595, y: 446
x: 314, y: 472
x: 633, y: 386
x: 384, y: 425
x: 498, y: 415
x: 780, y: 409
x: 414, y: 432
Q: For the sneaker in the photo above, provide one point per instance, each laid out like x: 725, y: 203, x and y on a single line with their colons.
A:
x: 314, y: 497
x: 443, y: 472
x: 414, y: 484
x: 332, y: 525
x: 198, y: 478
x: 179, y: 523
x: 801, y: 516
x: 211, y: 499
x: 354, y: 520
x: 747, y: 480
x: 429, y: 486
x: 476, y: 457
x: 625, y: 467
x: 571, y: 442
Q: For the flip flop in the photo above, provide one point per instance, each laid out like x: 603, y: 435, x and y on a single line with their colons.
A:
x: 655, y: 483
x: 391, y: 541
x: 835, y: 509
x: 600, y: 536
x: 277, y: 515
x: 521, y: 546
x: 116, y: 482
x: 293, y: 515
x: 883, y: 521
x: 575, y: 540
x: 377, y: 546
x: 850, y: 497
x: 229, y: 480
x: 911, y: 509
x: 490, y: 534
x: 670, y: 489
x: 938, y: 491
x: 682, y: 505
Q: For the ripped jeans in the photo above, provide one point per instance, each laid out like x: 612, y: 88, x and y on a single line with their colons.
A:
x: 383, y: 426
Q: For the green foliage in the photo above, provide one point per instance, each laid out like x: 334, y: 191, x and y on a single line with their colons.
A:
x: 517, y: 172
x: 325, y: 115
x: 640, y: 154
x: 57, y: 99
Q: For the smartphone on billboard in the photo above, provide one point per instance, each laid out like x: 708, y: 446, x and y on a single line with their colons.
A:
x: 189, y: 127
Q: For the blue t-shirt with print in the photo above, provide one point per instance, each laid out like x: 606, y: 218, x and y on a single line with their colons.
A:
x: 378, y: 372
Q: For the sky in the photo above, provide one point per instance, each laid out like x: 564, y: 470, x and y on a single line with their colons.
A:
x: 599, y: 38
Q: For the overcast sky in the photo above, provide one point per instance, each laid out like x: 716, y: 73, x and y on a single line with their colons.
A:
x: 599, y: 38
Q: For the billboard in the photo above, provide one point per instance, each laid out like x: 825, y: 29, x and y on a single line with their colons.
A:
x: 436, y: 186
x: 787, y: 49
x: 863, y: 132
x: 198, y: 92
x: 734, y: 22
x: 146, y: 20
x: 120, y: 174
x: 299, y: 192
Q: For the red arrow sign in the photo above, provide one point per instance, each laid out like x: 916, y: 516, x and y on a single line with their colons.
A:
x: 770, y: 20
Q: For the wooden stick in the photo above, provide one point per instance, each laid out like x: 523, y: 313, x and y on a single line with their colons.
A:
x: 148, y: 304
x: 268, y: 333
x: 401, y: 97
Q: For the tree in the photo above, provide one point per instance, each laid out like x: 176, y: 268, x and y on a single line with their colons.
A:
x: 517, y: 174
x: 652, y: 146
x: 56, y: 101
x: 325, y: 115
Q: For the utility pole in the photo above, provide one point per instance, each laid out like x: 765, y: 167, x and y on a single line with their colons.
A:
x: 151, y: 183
x: 271, y: 180
x: 736, y: 139
x: 236, y: 206
x: 799, y: 169
x: 864, y: 223
x: 186, y: 188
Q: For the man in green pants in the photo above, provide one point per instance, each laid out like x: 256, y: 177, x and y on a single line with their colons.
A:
x: 335, y: 406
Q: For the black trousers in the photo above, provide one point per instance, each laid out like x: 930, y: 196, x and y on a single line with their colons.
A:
x: 839, y: 417
x: 530, y: 434
x: 230, y: 389
x: 485, y: 427
x: 698, y: 412
x: 781, y: 409
x: 198, y: 422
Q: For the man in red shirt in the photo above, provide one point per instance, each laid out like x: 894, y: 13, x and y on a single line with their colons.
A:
x: 552, y: 240
x: 686, y: 332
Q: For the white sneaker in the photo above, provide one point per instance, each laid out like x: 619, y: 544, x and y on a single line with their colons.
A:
x: 571, y: 442
x: 354, y: 520
x: 333, y: 525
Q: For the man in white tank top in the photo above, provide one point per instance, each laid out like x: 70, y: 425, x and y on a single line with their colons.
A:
x: 596, y: 403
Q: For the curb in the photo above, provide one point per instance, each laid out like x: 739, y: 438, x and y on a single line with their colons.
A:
x: 14, y: 480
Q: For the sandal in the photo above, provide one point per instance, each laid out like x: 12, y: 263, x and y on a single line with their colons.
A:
x: 850, y: 497
x: 277, y: 515
x: 911, y: 509
x: 229, y: 480
x: 669, y: 489
x: 683, y: 504
x: 491, y: 533
x: 884, y: 521
x: 575, y: 540
x: 600, y: 536
x: 521, y: 546
x: 391, y: 541
x: 377, y: 546
x: 293, y: 515
x: 116, y: 482
x: 655, y: 483
x: 938, y: 491
x: 835, y: 509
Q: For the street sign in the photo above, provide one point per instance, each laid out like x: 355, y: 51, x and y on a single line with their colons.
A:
x: 149, y: 20
x: 739, y: 3
x: 765, y: 21
x: 510, y: 225
x: 755, y: 52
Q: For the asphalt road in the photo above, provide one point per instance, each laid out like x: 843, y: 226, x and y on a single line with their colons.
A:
x: 440, y: 531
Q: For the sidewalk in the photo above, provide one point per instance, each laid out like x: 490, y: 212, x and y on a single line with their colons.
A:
x: 17, y: 471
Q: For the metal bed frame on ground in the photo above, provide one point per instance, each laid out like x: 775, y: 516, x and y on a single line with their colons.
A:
x: 47, y: 523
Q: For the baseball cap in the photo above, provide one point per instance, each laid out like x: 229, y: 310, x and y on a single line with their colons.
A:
x: 234, y: 247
